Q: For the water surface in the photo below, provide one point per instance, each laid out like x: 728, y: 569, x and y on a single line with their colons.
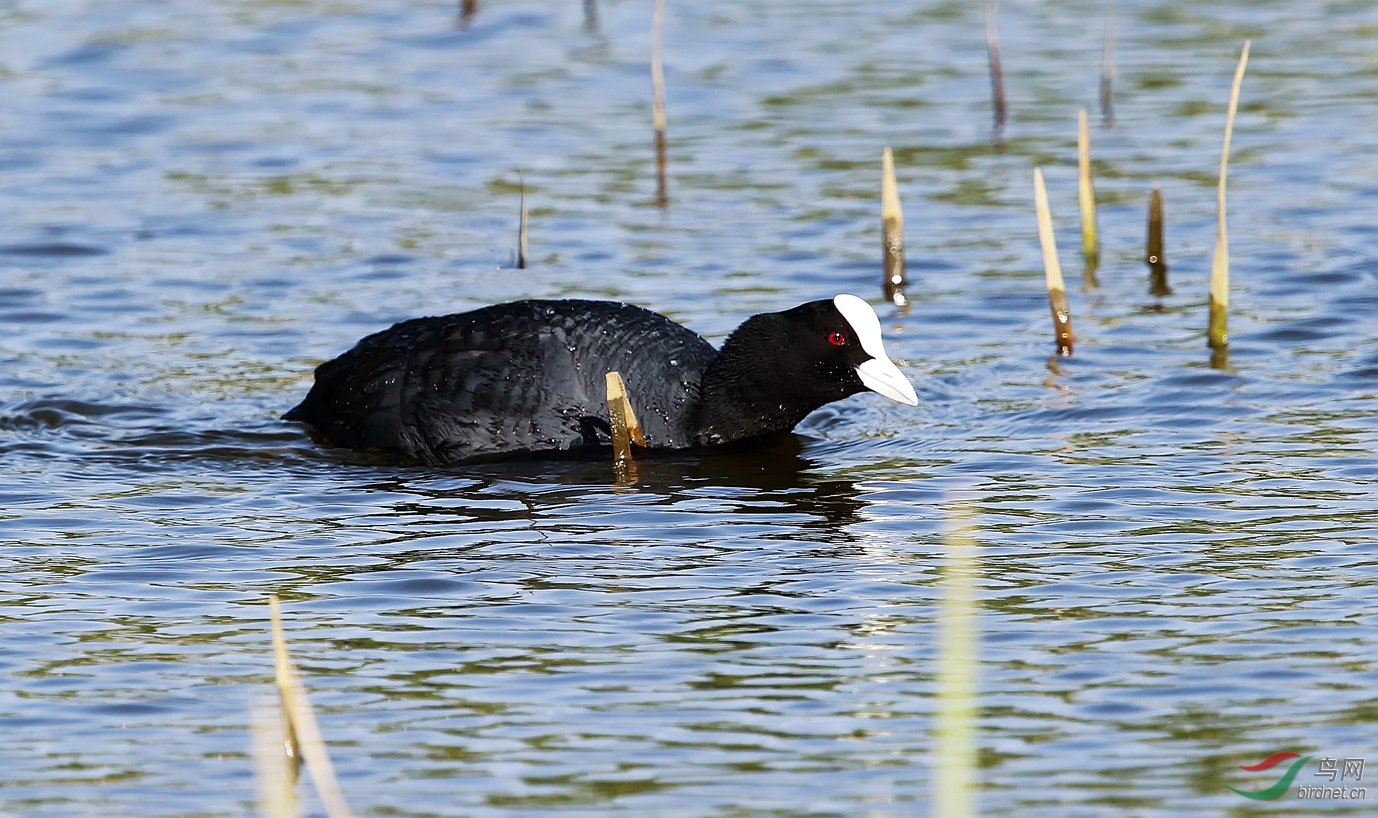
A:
x: 1177, y: 572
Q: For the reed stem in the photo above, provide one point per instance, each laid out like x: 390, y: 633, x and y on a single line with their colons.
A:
x: 1217, y: 324
x: 658, y: 102
x: 892, y: 232
x: 521, y: 225
x: 1107, y: 68
x: 957, y: 673
x: 275, y: 769
x: 1153, y: 256
x: 625, y: 428
x: 1052, y: 270
x: 997, y: 72
x: 302, y: 730
x: 1086, y: 196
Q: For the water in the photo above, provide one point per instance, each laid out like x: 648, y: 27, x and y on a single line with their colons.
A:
x: 1177, y: 572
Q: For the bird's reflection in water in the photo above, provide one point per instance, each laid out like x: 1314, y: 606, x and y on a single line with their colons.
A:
x: 775, y: 478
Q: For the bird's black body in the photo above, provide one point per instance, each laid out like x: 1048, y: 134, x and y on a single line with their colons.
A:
x: 528, y: 377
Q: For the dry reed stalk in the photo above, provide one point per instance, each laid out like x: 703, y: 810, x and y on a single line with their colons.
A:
x: 1052, y: 270
x: 275, y: 770
x: 997, y: 73
x: 1217, y: 324
x: 302, y: 730
x: 658, y: 102
x: 521, y: 225
x: 590, y: 15
x: 892, y: 232
x: 467, y: 10
x: 1107, y: 68
x: 1086, y: 195
x: 625, y: 428
x: 958, y: 639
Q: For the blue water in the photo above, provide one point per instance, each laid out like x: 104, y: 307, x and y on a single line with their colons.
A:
x: 1176, y: 566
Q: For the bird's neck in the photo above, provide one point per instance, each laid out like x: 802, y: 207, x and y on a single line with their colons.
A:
x: 743, y: 393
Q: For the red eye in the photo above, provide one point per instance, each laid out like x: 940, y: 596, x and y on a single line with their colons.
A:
x: 837, y: 339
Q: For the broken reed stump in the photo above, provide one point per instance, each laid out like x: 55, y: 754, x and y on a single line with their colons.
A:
x: 658, y: 102
x: 521, y: 225
x: 892, y: 232
x: 1086, y: 196
x: 302, y: 734
x: 1217, y: 324
x: 1153, y: 254
x: 625, y: 428
x: 1107, y: 68
x: 1052, y: 270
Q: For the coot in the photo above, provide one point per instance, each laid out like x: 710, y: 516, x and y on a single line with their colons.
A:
x: 528, y: 378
